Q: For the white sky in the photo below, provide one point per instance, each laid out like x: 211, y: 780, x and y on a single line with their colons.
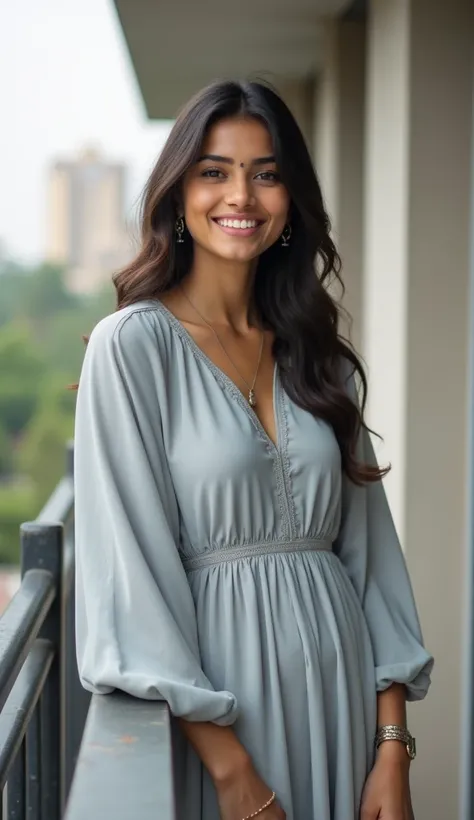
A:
x: 66, y: 82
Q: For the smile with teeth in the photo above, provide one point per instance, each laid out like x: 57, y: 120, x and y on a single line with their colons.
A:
x: 243, y: 224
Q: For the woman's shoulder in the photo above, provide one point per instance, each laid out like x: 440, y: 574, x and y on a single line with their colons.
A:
x: 133, y: 327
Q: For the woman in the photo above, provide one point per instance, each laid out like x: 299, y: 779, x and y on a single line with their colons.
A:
x: 235, y: 552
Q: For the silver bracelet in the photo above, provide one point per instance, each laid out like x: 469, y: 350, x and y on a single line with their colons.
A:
x: 262, y: 808
x: 397, y: 733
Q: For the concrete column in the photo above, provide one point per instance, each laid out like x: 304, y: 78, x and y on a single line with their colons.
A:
x: 419, y: 100
x: 338, y: 150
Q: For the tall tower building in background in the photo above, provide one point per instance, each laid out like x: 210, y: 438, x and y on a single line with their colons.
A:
x: 87, y: 232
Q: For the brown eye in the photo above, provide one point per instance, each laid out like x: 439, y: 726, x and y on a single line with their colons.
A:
x: 269, y: 176
x: 212, y: 173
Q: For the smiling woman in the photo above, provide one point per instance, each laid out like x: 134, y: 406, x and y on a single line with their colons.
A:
x: 236, y: 556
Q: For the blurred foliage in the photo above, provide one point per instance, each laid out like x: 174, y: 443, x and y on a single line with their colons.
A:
x: 41, y: 454
x: 41, y: 353
x: 6, y: 452
x: 17, y: 504
x: 13, y: 283
x: 22, y: 369
x: 46, y: 294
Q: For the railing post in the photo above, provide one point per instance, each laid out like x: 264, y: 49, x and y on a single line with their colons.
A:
x: 16, y: 800
x: 77, y: 699
x: 42, y: 547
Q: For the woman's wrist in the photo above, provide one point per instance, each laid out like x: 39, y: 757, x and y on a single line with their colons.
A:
x: 219, y: 749
x: 393, y: 751
x: 234, y: 766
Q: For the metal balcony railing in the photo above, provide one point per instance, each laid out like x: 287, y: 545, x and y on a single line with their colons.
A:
x: 55, y: 763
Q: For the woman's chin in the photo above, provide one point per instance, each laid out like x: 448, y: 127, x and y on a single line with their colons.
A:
x: 231, y: 252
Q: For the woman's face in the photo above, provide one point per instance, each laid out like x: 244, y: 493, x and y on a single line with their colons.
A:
x: 235, y: 206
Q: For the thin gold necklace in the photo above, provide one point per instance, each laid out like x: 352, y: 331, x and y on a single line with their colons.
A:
x: 252, y: 399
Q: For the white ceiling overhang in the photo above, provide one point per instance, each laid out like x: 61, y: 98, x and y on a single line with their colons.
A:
x: 177, y: 47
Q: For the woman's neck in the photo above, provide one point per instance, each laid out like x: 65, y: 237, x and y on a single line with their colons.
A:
x: 221, y: 290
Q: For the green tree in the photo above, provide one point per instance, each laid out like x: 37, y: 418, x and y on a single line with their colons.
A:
x: 41, y: 352
x: 22, y: 370
x: 42, y: 451
x: 62, y: 335
x: 6, y: 453
x: 46, y: 294
x: 18, y: 503
x: 14, y: 282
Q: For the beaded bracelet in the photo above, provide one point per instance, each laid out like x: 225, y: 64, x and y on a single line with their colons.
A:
x: 262, y: 808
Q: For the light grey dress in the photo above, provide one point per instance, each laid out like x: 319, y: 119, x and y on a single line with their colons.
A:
x: 242, y: 582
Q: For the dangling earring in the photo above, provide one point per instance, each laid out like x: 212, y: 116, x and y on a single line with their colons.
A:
x: 286, y: 236
x: 179, y: 228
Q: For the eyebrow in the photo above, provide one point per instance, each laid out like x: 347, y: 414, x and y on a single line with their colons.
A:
x: 229, y: 161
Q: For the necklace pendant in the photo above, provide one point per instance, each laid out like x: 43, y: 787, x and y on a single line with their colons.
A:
x: 252, y: 399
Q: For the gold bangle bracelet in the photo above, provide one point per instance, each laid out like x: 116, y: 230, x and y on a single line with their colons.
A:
x: 262, y: 808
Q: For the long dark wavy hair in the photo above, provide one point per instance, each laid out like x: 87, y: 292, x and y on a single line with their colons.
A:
x: 290, y: 295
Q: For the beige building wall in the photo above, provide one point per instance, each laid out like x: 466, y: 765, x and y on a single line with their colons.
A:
x: 419, y: 101
x: 391, y: 137
x: 57, y: 229
x: 86, y: 222
x: 338, y: 149
x: 299, y: 96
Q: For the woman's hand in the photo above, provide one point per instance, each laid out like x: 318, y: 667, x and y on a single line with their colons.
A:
x: 386, y: 794
x: 244, y: 792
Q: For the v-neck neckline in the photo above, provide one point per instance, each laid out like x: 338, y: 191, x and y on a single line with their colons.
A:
x: 224, y: 379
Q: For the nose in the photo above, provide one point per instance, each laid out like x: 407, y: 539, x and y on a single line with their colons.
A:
x: 240, y: 193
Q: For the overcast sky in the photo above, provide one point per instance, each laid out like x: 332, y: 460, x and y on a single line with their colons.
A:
x: 66, y: 82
